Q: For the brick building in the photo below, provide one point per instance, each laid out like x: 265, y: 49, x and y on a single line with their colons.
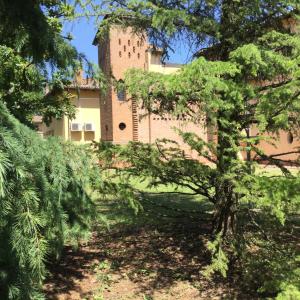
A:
x: 121, y: 119
x: 114, y: 117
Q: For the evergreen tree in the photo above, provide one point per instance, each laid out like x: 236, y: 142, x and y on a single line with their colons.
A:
x: 245, y: 72
x: 248, y: 73
x: 43, y: 183
x: 43, y: 204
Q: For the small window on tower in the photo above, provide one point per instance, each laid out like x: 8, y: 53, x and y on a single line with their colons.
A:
x: 120, y: 42
x: 138, y: 43
x: 128, y: 42
x: 129, y: 54
x: 121, y: 95
x: 124, y: 48
x: 121, y: 92
x: 139, y: 56
x: 120, y: 53
x: 133, y: 49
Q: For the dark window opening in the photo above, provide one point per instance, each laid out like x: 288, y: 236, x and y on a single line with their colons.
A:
x: 121, y: 95
x: 121, y: 92
x: 122, y: 126
x: 119, y: 41
x: 128, y: 42
x: 129, y: 54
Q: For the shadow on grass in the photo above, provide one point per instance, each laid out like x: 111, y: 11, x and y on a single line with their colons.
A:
x: 161, y: 245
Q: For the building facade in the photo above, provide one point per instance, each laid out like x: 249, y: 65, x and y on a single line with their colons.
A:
x: 113, y: 116
x: 122, y: 120
x: 85, y: 128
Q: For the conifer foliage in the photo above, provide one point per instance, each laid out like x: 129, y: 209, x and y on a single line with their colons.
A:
x: 244, y: 76
x: 43, y: 182
x: 43, y: 204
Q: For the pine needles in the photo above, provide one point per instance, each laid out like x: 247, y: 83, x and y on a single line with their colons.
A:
x: 43, y: 204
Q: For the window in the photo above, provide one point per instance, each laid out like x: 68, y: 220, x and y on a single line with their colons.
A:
x: 124, y: 48
x: 120, y: 42
x: 139, y: 56
x: 138, y: 43
x: 120, y: 53
x: 121, y: 92
x: 122, y: 126
x: 121, y: 95
x: 128, y: 42
x: 133, y: 49
x: 129, y: 54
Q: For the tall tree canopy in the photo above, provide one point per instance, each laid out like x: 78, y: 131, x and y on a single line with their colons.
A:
x: 245, y: 72
x: 37, y: 60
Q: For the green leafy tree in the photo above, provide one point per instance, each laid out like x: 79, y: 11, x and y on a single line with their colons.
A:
x: 248, y: 73
x: 37, y: 60
x: 245, y: 72
x: 44, y: 202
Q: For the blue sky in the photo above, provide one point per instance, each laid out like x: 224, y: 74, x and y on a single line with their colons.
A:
x: 84, y: 31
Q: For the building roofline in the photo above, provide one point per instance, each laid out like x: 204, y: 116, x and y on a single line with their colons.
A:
x: 95, y: 40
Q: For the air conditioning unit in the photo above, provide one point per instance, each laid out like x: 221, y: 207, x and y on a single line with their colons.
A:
x: 89, y: 127
x: 75, y: 127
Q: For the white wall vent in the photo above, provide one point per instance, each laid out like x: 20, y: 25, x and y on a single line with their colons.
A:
x: 89, y: 127
x: 75, y: 127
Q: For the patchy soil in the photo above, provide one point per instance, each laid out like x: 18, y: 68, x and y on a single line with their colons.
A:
x: 140, y: 263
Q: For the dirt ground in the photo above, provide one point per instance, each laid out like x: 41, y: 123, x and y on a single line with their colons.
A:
x: 158, y: 254
x: 145, y: 264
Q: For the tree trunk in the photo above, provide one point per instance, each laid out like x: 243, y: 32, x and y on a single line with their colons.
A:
x: 226, y: 199
x: 224, y: 220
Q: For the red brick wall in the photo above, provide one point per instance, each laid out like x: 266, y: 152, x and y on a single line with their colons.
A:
x: 123, y: 50
x: 105, y: 96
x: 114, y: 59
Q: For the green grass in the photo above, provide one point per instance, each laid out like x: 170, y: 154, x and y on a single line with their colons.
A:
x: 164, y: 204
x: 274, y: 171
x: 159, y: 209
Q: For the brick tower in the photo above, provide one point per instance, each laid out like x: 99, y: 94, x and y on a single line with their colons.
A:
x: 121, y: 120
x: 117, y: 52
